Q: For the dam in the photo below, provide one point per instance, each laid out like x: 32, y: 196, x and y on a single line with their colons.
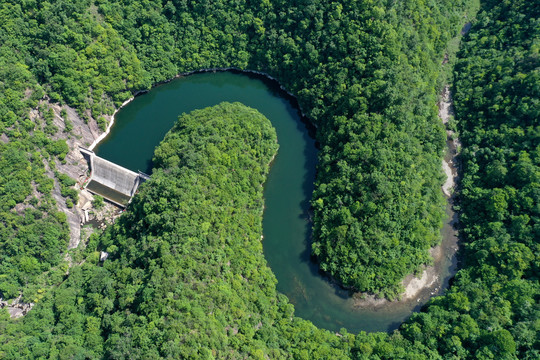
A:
x: 111, y: 181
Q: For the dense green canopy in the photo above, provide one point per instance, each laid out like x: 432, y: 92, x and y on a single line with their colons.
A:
x: 366, y: 73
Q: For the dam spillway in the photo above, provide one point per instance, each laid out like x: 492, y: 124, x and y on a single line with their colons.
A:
x: 111, y: 181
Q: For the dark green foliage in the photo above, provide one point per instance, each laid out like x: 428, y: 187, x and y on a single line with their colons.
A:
x: 365, y: 73
x: 492, y: 309
x: 186, y: 276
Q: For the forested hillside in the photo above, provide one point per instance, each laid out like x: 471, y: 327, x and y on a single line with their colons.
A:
x: 365, y: 73
x: 54, y: 51
x: 186, y: 276
x: 492, y: 310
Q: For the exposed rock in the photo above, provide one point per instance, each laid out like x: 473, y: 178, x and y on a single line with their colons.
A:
x: 446, y: 111
x: 103, y: 255
x: 445, y: 106
x: 17, y: 308
x: 73, y: 215
x: 15, y: 313
x: 415, y: 285
x: 85, y: 200
x: 449, y: 183
x: 83, y: 134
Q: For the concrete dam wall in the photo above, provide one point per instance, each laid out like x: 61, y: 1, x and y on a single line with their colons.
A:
x: 114, y: 176
x: 112, y: 181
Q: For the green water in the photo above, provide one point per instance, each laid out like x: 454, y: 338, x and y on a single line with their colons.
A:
x: 142, y: 124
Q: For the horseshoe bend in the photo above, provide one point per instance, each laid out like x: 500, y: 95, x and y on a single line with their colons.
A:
x: 344, y: 224
x: 287, y: 192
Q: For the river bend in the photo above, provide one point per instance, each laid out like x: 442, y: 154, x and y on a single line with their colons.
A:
x: 142, y: 124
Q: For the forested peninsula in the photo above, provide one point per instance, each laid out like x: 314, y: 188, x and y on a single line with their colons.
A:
x: 186, y: 277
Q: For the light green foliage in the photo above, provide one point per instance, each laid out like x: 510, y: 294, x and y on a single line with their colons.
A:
x: 32, y: 235
x: 186, y: 276
x: 98, y: 202
x: 495, y: 298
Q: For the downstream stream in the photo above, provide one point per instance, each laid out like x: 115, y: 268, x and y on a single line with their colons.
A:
x: 142, y: 124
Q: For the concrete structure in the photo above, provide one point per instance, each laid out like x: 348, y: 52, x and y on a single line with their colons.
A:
x: 111, y: 181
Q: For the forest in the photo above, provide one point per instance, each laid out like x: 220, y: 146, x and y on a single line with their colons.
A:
x: 186, y: 283
x: 369, y: 87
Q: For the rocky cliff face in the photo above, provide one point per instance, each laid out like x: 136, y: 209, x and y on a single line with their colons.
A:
x: 83, y: 133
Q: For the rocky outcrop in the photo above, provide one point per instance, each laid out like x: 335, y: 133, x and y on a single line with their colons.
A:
x: 16, y: 308
x: 446, y: 112
x: 83, y: 133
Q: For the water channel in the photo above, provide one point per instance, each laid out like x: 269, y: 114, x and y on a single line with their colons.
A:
x: 142, y: 124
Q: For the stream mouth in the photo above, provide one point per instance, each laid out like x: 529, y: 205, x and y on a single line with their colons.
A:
x: 142, y: 124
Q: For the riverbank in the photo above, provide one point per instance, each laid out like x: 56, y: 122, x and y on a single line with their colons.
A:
x: 110, y: 124
x: 269, y: 80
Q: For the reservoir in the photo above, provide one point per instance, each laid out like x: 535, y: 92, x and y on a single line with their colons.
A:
x: 141, y: 125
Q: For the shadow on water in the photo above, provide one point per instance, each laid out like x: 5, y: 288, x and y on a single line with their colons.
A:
x: 287, y: 227
x: 149, y: 167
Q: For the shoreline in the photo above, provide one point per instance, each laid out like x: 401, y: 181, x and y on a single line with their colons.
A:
x: 311, y: 127
x: 111, y: 123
